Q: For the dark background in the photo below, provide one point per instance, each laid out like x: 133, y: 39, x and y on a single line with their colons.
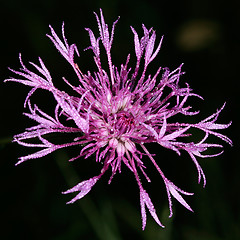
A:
x: 205, y: 36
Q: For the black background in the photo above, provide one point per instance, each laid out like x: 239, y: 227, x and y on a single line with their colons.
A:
x: 205, y: 36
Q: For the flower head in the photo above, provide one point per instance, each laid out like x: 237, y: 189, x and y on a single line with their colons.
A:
x: 116, y: 112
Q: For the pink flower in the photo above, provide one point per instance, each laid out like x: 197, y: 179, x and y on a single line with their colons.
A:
x: 117, y: 112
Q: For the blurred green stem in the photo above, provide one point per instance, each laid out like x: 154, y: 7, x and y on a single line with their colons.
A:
x: 101, y: 227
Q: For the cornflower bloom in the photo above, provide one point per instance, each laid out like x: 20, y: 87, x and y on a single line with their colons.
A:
x: 116, y: 112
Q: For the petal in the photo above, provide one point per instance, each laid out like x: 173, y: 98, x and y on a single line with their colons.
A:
x: 83, y: 187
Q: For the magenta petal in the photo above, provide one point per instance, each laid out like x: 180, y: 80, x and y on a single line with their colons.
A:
x: 146, y: 201
x: 174, y: 191
x: 82, y: 187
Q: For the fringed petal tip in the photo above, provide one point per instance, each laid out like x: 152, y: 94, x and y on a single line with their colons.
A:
x: 145, y: 201
x: 20, y: 161
x: 72, y: 200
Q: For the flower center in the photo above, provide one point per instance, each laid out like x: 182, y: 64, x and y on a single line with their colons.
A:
x: 124, y: 122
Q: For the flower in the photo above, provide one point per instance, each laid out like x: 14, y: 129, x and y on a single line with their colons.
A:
x: 116, y: 112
